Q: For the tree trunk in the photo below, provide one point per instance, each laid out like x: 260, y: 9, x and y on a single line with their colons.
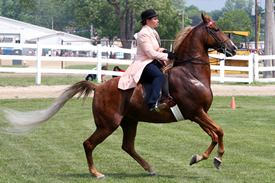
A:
x: 127, y: 25
x: 133, y: 17
x: 268, y: 35
x: 272, y: 43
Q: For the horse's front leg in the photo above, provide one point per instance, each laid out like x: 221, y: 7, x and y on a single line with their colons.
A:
x: 216, y: 133
x: 129, y: 133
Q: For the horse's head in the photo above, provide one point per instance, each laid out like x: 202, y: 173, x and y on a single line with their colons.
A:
x: 217, y: 39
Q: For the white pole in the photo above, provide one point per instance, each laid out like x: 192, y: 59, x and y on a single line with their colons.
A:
x: 256, y: 67
x: 222, y: 71
x: 250, y: 66
x: 38, y: 63
x: 98, y: 67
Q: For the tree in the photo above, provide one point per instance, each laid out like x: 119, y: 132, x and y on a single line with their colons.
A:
x: 216, y: 14
x: 37, y: 12
x: 193, y: 11
x: 268, y: 40
x: 126, y: 12
x: 170, y: 22
x: 194, y: 14
x: 179, y: 5
x: 129, y: 10
x: 245, y: 5
x: 10, y: 8
x: 122, y: 18
x: 110, y: 18
x: 235, y: 20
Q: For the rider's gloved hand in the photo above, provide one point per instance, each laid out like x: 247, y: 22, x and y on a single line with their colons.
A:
x: 165, y: 51
x: 171, y: 55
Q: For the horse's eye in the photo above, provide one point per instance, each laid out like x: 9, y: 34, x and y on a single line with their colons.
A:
x: 216, y: 29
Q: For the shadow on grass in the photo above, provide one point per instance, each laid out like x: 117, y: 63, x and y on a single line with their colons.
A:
x: 124, y: 175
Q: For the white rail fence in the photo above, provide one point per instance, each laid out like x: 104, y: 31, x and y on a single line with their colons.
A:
x: 251, y: 69
x: 39, y: 58
x: 222, y: 68
x: 257, y: 69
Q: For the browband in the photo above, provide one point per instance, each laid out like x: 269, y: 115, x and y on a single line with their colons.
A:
x: 210, y: 23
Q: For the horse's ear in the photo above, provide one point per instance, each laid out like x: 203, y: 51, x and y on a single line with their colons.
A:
x: 203, y: 15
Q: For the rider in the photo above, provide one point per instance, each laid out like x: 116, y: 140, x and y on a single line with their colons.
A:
x: 146, y: 66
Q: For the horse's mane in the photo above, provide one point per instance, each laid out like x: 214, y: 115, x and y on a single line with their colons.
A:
x: 181, y: 35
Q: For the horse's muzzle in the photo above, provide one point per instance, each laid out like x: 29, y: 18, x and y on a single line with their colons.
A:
x: 231, y: 50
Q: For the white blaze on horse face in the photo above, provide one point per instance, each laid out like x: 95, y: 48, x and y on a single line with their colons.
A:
x: 234, y: 45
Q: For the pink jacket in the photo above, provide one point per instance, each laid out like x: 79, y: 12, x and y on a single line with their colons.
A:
x: 147, y: 51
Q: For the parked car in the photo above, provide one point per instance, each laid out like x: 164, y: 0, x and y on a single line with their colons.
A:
x: 260, y: 52
x: 7, y: 51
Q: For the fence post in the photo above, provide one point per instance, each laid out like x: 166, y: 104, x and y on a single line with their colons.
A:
x: 98, y: 66
x: 222, y: 71
x: 250, y: 66
x: 256, y: 66
x: 38, y: 63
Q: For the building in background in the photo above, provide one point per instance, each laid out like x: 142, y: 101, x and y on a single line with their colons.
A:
x: 14, y: 31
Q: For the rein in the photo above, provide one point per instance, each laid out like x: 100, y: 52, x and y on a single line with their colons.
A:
x: 217, y: 39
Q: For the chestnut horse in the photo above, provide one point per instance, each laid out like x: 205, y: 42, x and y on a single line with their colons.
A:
x: 189, y: 84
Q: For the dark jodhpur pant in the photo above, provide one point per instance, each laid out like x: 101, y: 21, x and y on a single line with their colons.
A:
x: 152, y: 74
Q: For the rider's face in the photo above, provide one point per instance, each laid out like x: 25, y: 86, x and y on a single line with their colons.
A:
x: 153, y: 22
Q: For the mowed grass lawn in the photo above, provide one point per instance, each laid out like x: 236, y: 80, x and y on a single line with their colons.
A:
x: 54, y: 151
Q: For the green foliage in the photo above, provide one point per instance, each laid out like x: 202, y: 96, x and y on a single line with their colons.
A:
x: 194, y: 15
x: 170, y: 22
x: 68, y: 15
x: 216, y: 14
x: 235, y: 20
x: 245, y: 5
x: 179, y: 4
x: 38, y: 12
x: 193, y: 11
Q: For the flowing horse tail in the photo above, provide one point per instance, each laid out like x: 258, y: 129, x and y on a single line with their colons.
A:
x: 21, y: 123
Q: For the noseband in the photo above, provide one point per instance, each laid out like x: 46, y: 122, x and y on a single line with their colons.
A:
x: 217, y: 39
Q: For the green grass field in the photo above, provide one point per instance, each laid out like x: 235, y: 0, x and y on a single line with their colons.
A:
x: 54, y: 151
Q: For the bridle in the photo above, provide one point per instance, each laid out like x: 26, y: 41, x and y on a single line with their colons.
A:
x: 222, y: 45
x: 217, y: 39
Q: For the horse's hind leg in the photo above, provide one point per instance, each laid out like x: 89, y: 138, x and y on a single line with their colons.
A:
x: 98, y: 136
x: 129, y: 134
x: 216, y: 133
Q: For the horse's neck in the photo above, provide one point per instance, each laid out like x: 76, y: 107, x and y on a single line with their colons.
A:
x: 193, y: 45
x: 195, y: 55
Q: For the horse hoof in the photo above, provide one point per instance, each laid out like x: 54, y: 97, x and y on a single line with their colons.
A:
x: 99, y: 176
x: 152, y: 174
x: 102, y: 177
x: 193, y: 160
x: 217, y: 162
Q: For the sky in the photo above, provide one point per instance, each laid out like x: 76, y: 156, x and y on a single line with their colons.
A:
x: 210, y: 5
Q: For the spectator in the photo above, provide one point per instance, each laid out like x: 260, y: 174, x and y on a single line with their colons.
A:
x: 91, y: 77
x: 116, y: 68
x: 103, y: 76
